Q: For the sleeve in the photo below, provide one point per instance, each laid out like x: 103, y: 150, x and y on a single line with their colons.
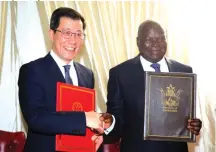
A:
x: 38, y: 115
x: 115, y: 103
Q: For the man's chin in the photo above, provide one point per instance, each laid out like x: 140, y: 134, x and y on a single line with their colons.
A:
x: 68, y: 59
x: 71, y: 55
x: 153, y: 59
x: 71, y: 58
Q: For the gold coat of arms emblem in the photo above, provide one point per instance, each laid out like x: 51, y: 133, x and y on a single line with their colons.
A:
x: 170, y: 98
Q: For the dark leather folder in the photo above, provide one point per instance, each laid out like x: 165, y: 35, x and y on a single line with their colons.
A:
x: 169, y: 102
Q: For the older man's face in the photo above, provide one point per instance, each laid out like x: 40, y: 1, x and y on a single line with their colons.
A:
x: 152, y: 44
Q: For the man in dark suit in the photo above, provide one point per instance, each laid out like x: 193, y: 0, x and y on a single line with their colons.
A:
x: 126, y: 92
x: 37, y: 86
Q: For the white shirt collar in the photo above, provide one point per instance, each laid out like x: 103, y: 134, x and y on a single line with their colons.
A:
x: 58, y: 60
x: 161, y: 62
x: 60, y: 63
x: 147, y: 65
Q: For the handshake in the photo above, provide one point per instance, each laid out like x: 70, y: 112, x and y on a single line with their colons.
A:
x: 98, y: 122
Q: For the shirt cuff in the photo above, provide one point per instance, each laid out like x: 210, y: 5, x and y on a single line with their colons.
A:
x: 108, y: 130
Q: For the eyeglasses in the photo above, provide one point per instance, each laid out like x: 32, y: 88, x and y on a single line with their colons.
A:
x: 67, y: 34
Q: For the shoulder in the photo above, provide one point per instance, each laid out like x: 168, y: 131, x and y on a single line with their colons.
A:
x: 128, y: 64
x: 179, y: 65
x: 35, y: 64
x: 31, y: 71
x: 82, y: 68
x: 36, y: 68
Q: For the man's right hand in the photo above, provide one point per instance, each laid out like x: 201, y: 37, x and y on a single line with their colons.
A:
x: 107, y: 120
x: 93, y: 120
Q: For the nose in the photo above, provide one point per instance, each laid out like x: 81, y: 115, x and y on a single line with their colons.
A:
x: 72, y: 39
x: 154, y: 43
x: 74, y: 35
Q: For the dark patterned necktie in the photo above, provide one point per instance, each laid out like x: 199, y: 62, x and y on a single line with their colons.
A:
x: 156, y: 66
x: 67, y: 74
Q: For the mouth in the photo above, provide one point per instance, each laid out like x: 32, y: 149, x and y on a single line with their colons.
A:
x: 69, y: 48
x: 155, y: 52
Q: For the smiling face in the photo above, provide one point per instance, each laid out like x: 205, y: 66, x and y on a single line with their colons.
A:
x: 151, y: 42
x: 66, y: 40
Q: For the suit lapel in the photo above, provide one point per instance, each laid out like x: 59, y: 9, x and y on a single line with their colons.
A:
x: 138, y: 67
x: 170, y: 65
x: 54, y: 70
x: 56, y: 73
x: 80, y: 75
x: 139, y: 83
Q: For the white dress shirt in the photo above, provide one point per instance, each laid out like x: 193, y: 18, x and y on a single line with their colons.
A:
x: 146, y: 67
x: 61, y: 63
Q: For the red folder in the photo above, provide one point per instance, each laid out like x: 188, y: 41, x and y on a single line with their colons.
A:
x: 74, y: 98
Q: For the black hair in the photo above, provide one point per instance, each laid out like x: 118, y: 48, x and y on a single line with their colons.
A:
x: 65, y: 12
x: 148, y: 24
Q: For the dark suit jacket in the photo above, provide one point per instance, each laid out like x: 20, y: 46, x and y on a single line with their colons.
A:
x: 126, y: 103
x: 37, y: 96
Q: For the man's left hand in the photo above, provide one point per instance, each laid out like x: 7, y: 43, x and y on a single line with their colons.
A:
x: 194, y: 125
x: 98, y: 140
